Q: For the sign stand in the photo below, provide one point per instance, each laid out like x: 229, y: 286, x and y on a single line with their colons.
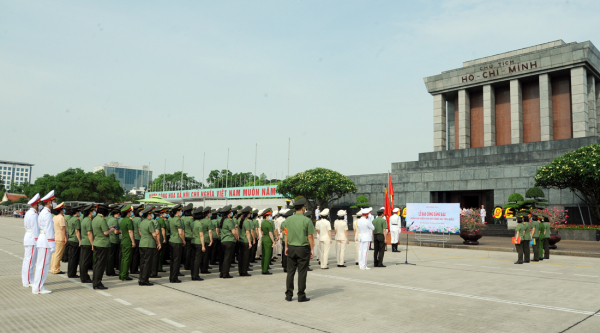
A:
x: 406, y: 257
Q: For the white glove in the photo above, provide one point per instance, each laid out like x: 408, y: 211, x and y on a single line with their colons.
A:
x: 53, y: 249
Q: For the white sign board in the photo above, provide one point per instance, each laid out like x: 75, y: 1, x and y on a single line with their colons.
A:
x: 433, y: 217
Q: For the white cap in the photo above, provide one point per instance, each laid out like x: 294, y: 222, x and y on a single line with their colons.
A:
x: 34, y: 200
x: 325, y: 212
x: 341, y: 212
x: 48, y: 197
x: 370, y: 209
x: 382, y: 208
x: 364, y: 211
x: 396, y: 210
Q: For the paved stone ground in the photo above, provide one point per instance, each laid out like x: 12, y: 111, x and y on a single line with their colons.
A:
x: 447, y: 290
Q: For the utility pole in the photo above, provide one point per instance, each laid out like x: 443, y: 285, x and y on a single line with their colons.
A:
x: 180, y: 187
x: 255, y: 155
x: 289, y: 142
x: 203, y: 160
x: 164, y: 174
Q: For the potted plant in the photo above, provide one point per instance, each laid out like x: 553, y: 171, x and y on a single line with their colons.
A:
x: 510, y: 208
x: 558, y: 217
x: 470, y: 226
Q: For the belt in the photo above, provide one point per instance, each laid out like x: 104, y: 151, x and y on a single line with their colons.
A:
x: 42, y: 231
x: 50, y: 239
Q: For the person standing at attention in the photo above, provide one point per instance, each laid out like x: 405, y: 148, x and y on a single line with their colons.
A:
x: 29, y: 240
x: 341, y: 237
x: 323, y: 227
x: 299, y: 245
x: 365, y: 228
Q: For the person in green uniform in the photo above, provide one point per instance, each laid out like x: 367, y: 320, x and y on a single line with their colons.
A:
x: 309, y: 215
x: 177, y: 243
x: 67, y: 215
x: 199, y: 248
x: 208, y: 239
x: 379, y: 234
x: 127, y: 242
x: 149, y: 243
x: 216, y: 254
x: 519, y: 232
x: 166, y: 248
x: 526, y: 239
x: 236, y: 249
x: 245, y: 240
x: 162, y: 232
x: 228, y: 239
x: 74, y: 241
x: 275, y: 234
x: 254, y: 233
x: 540, y: 245
x: 299, y: 246
x: 112, y: 219
x: 188, y: 253
x: 155, y: 253
x: 268, y: 241
x: 87, y: 239
x: 287, y: 214
x: 101, y: 244
x: 547, y: 232
x: 135, y: 261
x: 535, y: 235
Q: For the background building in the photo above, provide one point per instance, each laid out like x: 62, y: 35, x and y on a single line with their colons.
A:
x: 16, y: 172
x: 128, y: 176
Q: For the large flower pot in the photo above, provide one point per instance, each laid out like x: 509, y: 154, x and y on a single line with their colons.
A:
x: 470, y: 237
x: 554, y: 238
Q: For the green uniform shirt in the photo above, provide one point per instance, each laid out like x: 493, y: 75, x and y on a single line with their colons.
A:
x: 542, y: 228
x: 99, y: 226
x: 86, y: 225
x: 266, y: 227
x: 136, y: 226
x: 110, y: 221
x: 527, y: 235
x: 67, y: 218
x: 246, y: 227
x: 519, y: 230
x: 187, y: 224
x: 147, y: 228
x: 125, y: 226
x: 168, y: 226
x: 298, y: 227
x: 176, y: 224
x: 215, y: 225
x: 196, y: 229
x: 536, y: 225
x: 156, y: 226
x: 162, y: 225
x: 379, y: 223
x: 206, y: 226
x: 548, y: 229
x: 226, y: 234
x: 72, y: 225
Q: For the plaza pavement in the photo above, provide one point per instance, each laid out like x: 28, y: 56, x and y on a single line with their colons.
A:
x: 447, y: 290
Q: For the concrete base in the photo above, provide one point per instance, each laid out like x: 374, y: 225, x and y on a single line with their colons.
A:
x: 511, y: 223
x: 570, y: 234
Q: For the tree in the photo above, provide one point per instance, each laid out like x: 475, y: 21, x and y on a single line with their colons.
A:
x: 578, y: 171
x: 78, y: 185
x: 2, y: 187
x: 174, y: 182
x: 536, y: 200
x: 321, y: 187
x: 361, y: 202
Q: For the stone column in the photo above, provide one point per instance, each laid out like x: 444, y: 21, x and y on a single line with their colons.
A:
x: 450, y: 120
x: 579, y: 102
x: 489, y: 116
x: 547, y: 127
x: 439, y: 122
x: 597, y: 109
x: 592, y: 107
x: 464, y: 119
x: 516, y: 112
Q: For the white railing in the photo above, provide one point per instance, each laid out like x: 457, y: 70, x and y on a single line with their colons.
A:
x: 432, y: 237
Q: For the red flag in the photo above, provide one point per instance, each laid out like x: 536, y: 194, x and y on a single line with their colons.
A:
x: 389, y: 200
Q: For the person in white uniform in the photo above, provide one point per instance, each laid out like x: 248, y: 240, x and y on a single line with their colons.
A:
x: 45, y: 246
x: 317, y: 213
x: 323, y: 227
x: 356, y: 235
x: 395, y: 229
x: 371, y: 219
x: 366, y: 237
x: 341, y: 237
x: 29, y: 240
x: 482, y: 213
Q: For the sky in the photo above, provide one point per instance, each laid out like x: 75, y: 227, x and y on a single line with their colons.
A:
x: 85, y: 83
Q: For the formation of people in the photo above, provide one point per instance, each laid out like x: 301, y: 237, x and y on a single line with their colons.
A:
x: 119, y: 240
x: 532, y: 234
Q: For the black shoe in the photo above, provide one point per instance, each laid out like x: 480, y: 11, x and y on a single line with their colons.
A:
x: 176, y: 281
x: 288, y: 298
x: 341, y: 265
x: 155, y: 276
x: 381, y: 266
x: 100, y: 287
x: 234, y: 263
x: 518, y: 263
x: 87, y: 281
x: 246, y: 274
x: 107, y: 274
x: 207, y: 272
x: 325, y: 268
x: 227, y: 277
x: 267, y: 273
x: 136, y: 272
x: 356, y: 263
x: 61, y: 272
x: 179, y: 274
x: 197, y: 279
x: 526, y: 262
x: 319, y: 262
x: 285, y: 270
x: 305, y: 299
x: 541, y: 259
x: 310, y: 269
x: 162, y: 271
x: 126, y: 279
x: 73, y: 277
x: 209, y: 267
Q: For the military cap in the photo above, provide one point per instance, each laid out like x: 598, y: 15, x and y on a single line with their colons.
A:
x: 140, y: 207
x: 188, y: 207
x: 225, y: 209
x: 268, y: 210
x: 381, y: 211
x: 247, y: 209
x: 160, y: 210
x: 308, y: 214
x: 126, y: 209
x: 198, y: 210
x: 300, y: 202
x: 214, y: 211
x: 176, y: 207
x: 325, y: 212
x: 101, y: 205
x: 206, y: 209
x: 289, y: 213
x: 255, y: 211
x: 146, y: 210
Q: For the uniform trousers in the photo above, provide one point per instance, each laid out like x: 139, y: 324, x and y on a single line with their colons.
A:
x: 357, y: 248
x: 111, y: 258
x: 42, y: 266
x: 146, y: 255
x: 283, y: 255
x: 298, y: 258
x: 57, y: 257
x: 215, y: 252
x: 166, y: 250
x: 29, y: 260
x: 126, y: 251
x: 363, y: 252
x: 135, y: 258
x: 536, y: 254
x: 99, y: 265
x: 258, y: 253
x: 225, y: 264
x: 65, y: 255
x: 526, y: 252
x: 340, y: 247
x: 154, y: 263
x: 325, y: 246
x: 205, y: 258
x: 236, y: 250
x: 73, y: 259
x: 277, y: 250
x: 547, y: 248
x: 85, y: 262
x: 161, y: 254
x: 175, y: 263
x: 244, y: 259
x: 253, y: 251
x: 540, y: 248
x: 267, y: 248
x: 197, y: 263
x: 379, y: 248
x: 519, y: 248
x: 317, y: 248
x: 188, y: 254
x: 395, y: 234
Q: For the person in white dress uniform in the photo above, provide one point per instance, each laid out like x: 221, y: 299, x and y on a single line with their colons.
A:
x: 341, y: 236
x: 395, y: 229
x: 29, y: 240
x: 356, y: 234
x: 45, y: 246
x: 323, y: 227
x: 365, y: 238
